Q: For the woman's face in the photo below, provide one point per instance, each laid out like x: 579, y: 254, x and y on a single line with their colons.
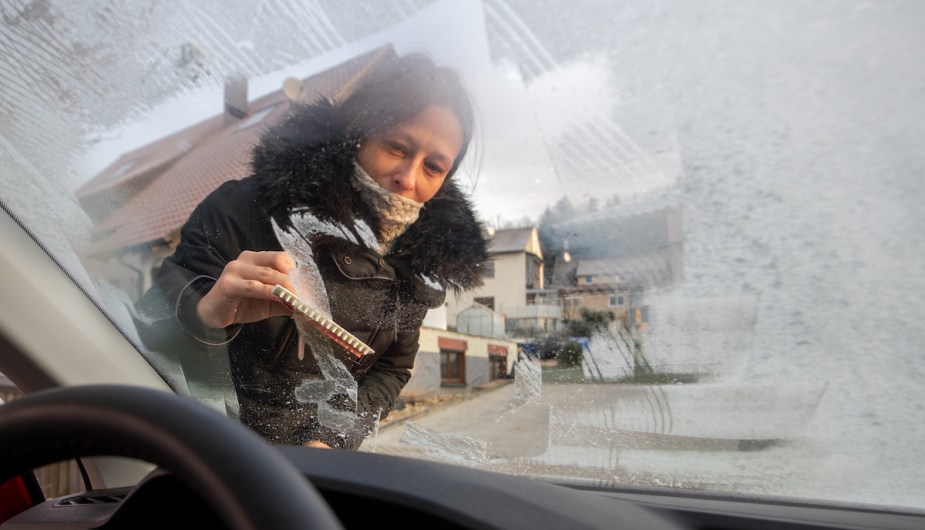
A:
x: 413, y: 158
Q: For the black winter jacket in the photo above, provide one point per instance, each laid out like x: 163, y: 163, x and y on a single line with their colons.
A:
x: 304, y: 165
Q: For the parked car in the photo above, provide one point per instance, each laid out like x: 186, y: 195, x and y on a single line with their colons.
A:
x: 715, y: 204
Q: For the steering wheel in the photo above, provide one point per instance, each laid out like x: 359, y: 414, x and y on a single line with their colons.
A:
x: 246, y: 481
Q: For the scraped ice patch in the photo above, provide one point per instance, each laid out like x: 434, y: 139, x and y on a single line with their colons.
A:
x: 449, y: 446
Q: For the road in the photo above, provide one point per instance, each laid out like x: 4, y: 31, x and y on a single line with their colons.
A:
x: 490, y: 418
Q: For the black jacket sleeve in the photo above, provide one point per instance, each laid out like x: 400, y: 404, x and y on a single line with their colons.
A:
x: 209, y: 239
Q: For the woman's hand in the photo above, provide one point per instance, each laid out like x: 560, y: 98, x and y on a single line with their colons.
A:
x: 316, y: 443
x: 244, y: 291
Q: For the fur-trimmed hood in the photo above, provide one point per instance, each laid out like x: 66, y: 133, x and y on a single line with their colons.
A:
x: 305, y: 162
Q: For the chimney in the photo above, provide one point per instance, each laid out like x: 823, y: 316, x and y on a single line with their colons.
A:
x: 235, y: 98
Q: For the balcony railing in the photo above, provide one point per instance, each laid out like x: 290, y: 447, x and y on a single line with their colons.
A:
x: 533, y: 311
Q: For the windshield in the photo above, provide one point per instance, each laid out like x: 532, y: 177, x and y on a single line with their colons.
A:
x: 702, y: 257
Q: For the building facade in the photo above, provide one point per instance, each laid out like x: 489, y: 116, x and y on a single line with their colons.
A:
x: 514, y: 286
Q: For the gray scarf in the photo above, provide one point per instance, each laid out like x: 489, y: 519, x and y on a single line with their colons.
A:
x: 396, y: 213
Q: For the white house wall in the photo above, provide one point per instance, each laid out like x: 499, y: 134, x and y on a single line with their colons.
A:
x: 509, y: 284
x: 425, y: 376
x: 533, y: 247
x: 508, y: 287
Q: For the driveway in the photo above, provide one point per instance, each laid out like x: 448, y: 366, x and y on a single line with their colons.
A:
x: 490, y: 418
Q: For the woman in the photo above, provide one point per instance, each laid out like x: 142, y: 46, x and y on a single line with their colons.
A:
x: 353, y: 207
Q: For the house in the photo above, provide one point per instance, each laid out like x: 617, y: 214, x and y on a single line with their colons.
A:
x: 598, y: 285
x: 453, y: 361
x: 513, y: 286
x: 474, y: 354
x: 611, y: 270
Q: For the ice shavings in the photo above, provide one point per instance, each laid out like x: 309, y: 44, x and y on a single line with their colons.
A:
x: 306, y: 278
x: 448, y: 446
x: 336, y: 392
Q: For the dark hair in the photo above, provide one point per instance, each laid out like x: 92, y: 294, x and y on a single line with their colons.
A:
x: 399, y: 89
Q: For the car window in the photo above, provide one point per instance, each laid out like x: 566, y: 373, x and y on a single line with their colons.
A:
x: 702, y: 246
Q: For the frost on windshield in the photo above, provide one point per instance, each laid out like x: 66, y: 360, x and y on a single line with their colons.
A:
x: 727, y: 215
x: 335, y: 392
x: 751, y: 308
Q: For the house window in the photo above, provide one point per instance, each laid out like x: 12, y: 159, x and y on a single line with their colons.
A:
x: 488, y: 268
x: 497, y: 354
x: 616, y: 300
x: 452, y: 367
x: 452, y: 361
x: 487, y: 301
x: 498, y: 368
x: 588, y: 279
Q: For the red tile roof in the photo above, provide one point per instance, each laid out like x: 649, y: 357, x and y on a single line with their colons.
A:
x: 214, y: 154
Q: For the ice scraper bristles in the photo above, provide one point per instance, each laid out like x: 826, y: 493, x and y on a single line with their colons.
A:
x: 325, y: 325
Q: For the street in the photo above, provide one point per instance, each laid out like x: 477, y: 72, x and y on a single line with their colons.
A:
x: 487, y: 418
